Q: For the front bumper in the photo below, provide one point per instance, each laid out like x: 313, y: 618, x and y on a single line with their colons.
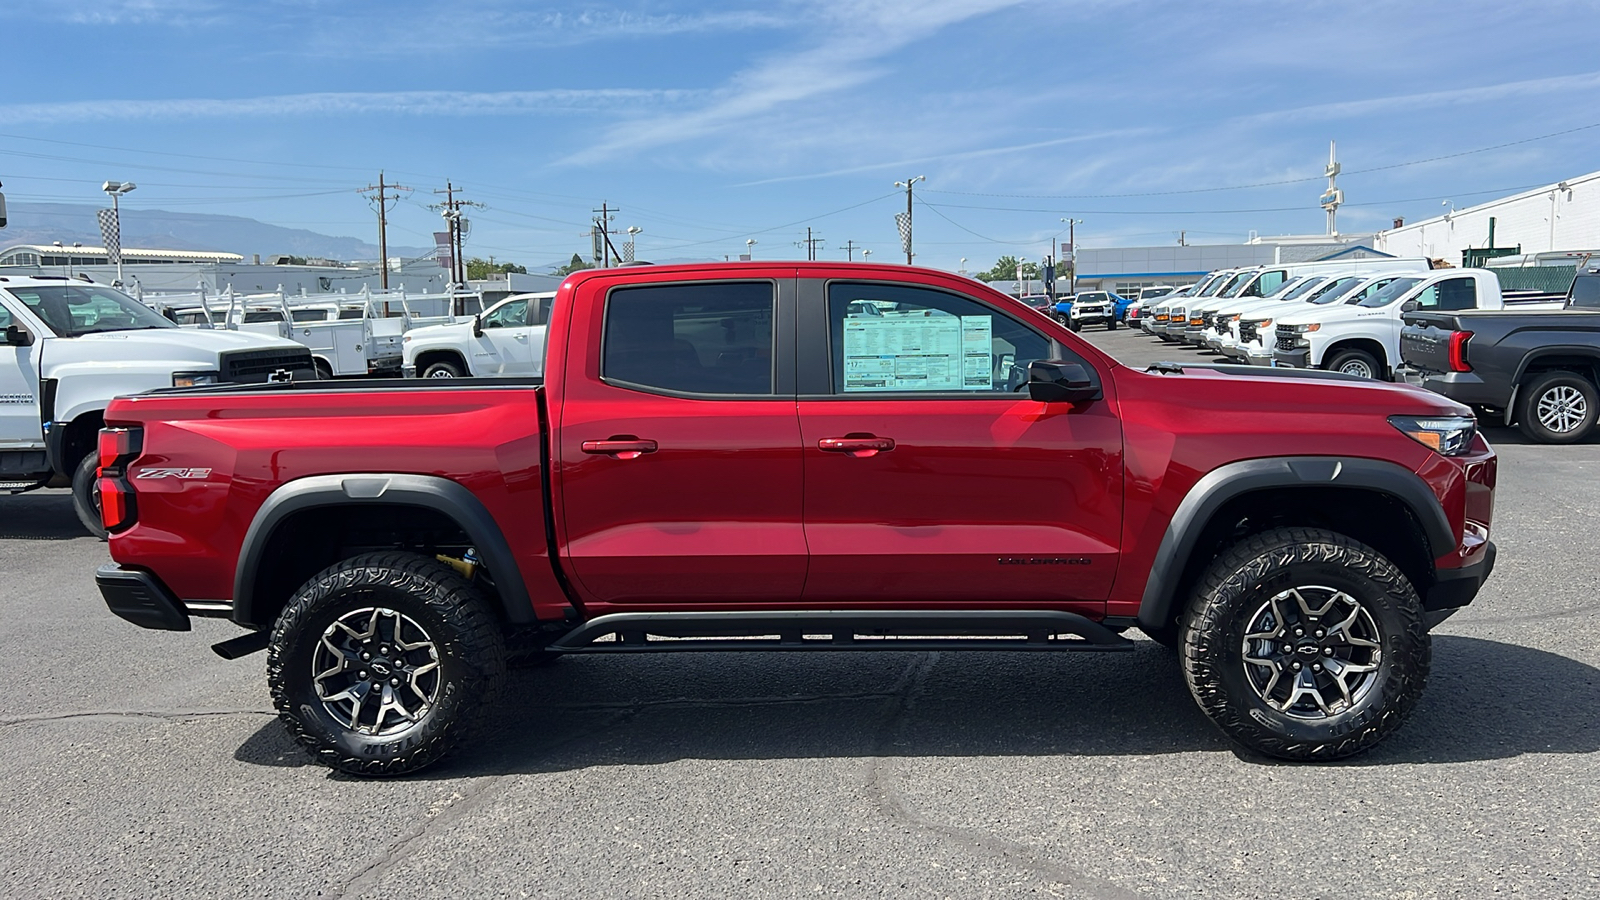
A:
x: 1300, y: 357
x: 1454, y: 588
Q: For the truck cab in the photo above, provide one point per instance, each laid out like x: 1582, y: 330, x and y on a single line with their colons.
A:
x: 71, y: 346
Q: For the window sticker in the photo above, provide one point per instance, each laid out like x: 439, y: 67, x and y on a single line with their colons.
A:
x: 937, y: 352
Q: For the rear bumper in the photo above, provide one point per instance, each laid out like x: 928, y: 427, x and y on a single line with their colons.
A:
x: 1462, y: 387
x: 138, y: 596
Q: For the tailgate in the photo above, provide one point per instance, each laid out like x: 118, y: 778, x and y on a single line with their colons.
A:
x: 1425, y: 341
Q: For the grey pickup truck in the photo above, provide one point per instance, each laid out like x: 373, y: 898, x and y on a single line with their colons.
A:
x: 1537, y: 369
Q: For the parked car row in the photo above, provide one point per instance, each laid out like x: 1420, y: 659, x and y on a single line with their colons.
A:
x: 1531, y: 360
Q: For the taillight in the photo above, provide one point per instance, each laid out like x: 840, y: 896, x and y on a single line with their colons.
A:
x: 118, y: 447
x: 1458, y: 351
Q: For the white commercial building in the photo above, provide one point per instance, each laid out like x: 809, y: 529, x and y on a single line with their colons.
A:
x: 1562, y: 216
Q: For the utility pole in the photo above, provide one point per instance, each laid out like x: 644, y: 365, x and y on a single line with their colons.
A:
x: 383, y: 199
x: 1183, y: 239
x: 850, y: 250
x: 451, y: 210
x: 603, y: 229
x: 905, y: 223
x: 811, y: 244
x: 1072, y: 254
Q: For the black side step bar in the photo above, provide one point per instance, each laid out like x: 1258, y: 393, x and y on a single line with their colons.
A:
x: 839, y: 629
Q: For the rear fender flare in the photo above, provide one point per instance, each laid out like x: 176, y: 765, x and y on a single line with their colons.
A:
x: 1588, y: 354
x: 1225, y: 483
x: 426, y: 491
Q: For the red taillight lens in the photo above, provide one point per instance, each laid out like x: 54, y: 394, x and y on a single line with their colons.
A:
x: 118, y: 447
x: 1458, y: 351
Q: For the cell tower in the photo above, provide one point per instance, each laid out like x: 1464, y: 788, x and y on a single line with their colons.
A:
x: 1333, y: 197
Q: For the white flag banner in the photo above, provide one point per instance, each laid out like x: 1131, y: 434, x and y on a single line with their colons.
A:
x: 110, y: 234
x: 903, y: 220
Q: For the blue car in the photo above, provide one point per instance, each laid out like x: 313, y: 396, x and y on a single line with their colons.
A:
x: 1121, y: 303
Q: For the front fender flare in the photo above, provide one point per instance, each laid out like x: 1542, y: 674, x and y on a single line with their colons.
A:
x: 1224, y: 483
x: 426, y: 491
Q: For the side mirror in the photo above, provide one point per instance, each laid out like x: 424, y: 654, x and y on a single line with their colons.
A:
x: 477, y: 326
x: 1055, y: 381
x: 19, y: 336
x: 1410, y: 306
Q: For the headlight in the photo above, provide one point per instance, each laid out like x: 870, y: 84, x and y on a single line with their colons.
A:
x: 1234, y: 317
x: 195, y: 379
x: 1446, y: 435
x: 406, y: 339
x: 1302, y: 329
x: 1264, y: 323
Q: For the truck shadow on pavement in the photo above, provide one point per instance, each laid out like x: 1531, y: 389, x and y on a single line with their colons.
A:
x: 39, y: 516
x: 1485, y: 700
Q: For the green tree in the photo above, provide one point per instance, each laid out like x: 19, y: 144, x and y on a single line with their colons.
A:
x: 577, y: 263
x: 1005, y: 269
x: 478, y: 269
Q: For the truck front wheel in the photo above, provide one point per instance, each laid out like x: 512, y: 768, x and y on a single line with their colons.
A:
x: 86, y: 495
x: 1558, y: 408
x: 442, y: 369
x: 1304, y: 644
x: 384, y: 662
x: 1359, y: 363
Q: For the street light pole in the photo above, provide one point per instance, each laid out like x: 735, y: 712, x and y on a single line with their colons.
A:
x: 1072, y: 255
x: 116, y: 189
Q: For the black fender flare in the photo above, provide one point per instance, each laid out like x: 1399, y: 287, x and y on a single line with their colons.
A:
x: 1224, y: 483
x: 1574, y: 351
x: 426, y: 491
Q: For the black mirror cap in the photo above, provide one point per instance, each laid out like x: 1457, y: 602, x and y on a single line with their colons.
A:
x: 1410, y: 306
x: 1058, y: 381
x: 19, y: 336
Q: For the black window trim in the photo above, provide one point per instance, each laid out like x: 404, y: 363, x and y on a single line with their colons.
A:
x: 816, y: 343
x: 783, y: 333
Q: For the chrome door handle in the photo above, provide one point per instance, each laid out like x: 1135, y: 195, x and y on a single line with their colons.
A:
x: 620, y: 448
x: 860, y: 446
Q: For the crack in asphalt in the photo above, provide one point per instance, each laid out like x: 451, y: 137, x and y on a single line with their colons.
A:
x: 133, y: 714
x: 892, y: 805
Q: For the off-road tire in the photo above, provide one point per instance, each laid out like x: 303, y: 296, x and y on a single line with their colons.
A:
x: 1573, y: 386
x: 86, y: 495
x: 1357, y: 359
x: 1073, y: 324
x: 455, y: 618
x: 443, y: 369
x: 1111, y: 324
x: 1248, y: 575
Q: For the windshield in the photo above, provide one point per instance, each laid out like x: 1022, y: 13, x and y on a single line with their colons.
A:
x: 74, y: 310
x: 1216, y: 286
x: 1389, y: 293
x: 1334, y: 289
x: 1297, y: 291
x: 1092, y: 297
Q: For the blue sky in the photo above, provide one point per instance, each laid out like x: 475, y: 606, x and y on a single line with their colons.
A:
x: 711, y: 124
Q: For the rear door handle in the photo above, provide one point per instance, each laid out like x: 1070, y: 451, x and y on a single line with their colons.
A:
x: 620, y: 448
x: 857, y: 445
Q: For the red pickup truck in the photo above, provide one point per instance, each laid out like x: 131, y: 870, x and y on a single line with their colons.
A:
x: 802, y: 456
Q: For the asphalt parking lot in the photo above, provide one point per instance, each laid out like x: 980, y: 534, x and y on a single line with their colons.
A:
x: 137, y: 763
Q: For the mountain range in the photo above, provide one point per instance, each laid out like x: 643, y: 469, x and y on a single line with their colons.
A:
x: 155, y: 229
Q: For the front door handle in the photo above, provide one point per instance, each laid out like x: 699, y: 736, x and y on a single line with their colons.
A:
x: 858, y: 445
x: 620, y: 447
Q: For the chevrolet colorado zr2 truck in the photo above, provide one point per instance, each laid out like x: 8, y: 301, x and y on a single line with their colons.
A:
x: 744, y: 457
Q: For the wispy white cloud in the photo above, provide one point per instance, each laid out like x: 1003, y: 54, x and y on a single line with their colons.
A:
x: 849, y: 50
x: 958, y: 156
x: 429, y: 103
x: 125, y: 12
x: 1399, y: 103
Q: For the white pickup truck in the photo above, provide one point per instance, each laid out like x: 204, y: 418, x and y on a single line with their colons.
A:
x: 69, y: 347
x: 506, y: 339
x: 1363, y: 338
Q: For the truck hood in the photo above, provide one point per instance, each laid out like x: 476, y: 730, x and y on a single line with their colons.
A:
x: 1342, y: 312
x: 1299, y: 392
x: 196, y: 345
x: 452, y: 331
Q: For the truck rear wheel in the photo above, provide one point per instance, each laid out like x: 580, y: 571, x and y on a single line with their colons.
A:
x: 1558, y: 408
x: 384, y: 662
x: 86, y: 495
x: 1303, y: 644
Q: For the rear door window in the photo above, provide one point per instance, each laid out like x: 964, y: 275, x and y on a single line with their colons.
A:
x: 1450, y: 294
x: 707, y: 339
